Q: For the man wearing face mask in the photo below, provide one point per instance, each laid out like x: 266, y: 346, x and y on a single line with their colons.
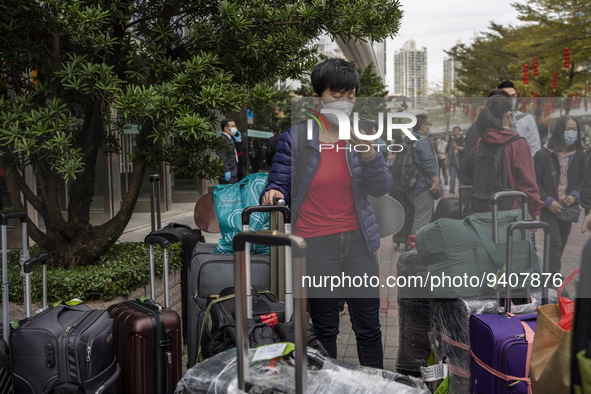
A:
x: 327, y: 190
x: 560, y: 172
x: 524, y: 123
x: 228, y: 154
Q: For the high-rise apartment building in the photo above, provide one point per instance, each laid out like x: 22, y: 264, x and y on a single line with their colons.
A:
x: 410, y: 71
x: 450, y: 75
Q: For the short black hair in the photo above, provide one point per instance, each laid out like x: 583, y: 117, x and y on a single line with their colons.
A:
x: 421, y: 120
x: 225, y: 122
x: 499, y: 91
x: 456, y: 127
x: 275, y: 128
x: 336, y: 75
x: 506, y: 84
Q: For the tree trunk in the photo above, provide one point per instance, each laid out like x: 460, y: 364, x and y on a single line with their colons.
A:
x: 75, y: 242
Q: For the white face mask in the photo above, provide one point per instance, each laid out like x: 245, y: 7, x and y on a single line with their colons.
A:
x: 344, y: 106
x: 233, y: 130
x: 570, y: 137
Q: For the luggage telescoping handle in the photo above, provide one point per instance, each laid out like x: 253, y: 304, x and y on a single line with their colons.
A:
x: 151, y: 240
x: 155, y: 201
x: 241, y: 285
x: 509, y: 194
x: 526, y: 225
x: 286, y: 212
x: 27, y: 270
x: 4, y: 218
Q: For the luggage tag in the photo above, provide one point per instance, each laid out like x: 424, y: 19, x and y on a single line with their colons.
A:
x: 434, y: 372
x: 274, y: 350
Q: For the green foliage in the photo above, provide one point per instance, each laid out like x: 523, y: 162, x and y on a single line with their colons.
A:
x: 501, y: 52
x: 73, y: 73
x: 119, y: 272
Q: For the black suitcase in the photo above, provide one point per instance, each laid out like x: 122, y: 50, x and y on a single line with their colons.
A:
x: 189, y: 239
x: 413, y: 318
x: 6, y: 384
x: 210, y: 273
x: 65, y: 347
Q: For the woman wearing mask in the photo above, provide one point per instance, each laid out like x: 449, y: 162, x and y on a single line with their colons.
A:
x: 326, y: 184
x: 560, y: 170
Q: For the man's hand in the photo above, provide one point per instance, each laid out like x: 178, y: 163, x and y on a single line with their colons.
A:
x: 227, y: 176
x: 268, y: 197
x: 556, y: 207
x: 357, y: 141
x: 586, y: 223
x: 568, y: 200
x: 435, y: 186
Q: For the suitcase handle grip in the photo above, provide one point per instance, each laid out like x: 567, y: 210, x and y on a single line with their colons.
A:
x: 526, y: 225
x: 504, y: 195
x: 248, y: 211
x: 154, y: 178
x: 508, y: 194
x: 34, y: 261
x: 270, y: 238
x: 156, y: 239
x: 241, y: 284
x: 5, y: 216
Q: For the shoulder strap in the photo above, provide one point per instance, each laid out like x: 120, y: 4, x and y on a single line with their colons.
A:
x: 503, y: 169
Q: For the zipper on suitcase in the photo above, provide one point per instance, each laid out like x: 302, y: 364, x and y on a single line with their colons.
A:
x: 64, y: 370
x: 99, y: 314
x: 158, y: 323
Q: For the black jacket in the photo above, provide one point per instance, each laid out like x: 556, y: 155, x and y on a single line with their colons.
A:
x: 548, y: 175
x: 586, y: 189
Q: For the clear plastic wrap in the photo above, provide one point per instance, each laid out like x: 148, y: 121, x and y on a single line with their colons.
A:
x: 450, y: 334
x: 413, y: 319
x: 217, y: 375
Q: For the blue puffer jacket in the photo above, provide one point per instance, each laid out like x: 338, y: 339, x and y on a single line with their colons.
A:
x: 367, y: 176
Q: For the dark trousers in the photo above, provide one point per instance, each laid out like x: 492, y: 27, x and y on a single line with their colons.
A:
x: 559, y: 232
x: 337, y: 255
x: 442, y: 168
x: 453, y: 173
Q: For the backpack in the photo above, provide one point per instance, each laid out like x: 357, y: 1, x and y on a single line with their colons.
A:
x: 405, y: 172
x: 489, y: 164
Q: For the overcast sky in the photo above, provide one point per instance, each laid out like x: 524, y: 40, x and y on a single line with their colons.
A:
x: 439, y: 24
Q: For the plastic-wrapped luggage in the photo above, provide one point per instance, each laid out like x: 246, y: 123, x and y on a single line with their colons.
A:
x: 413, y: 318
x: 218, y: 375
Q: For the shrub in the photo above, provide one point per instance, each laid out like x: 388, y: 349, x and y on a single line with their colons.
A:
x: 120, y: 271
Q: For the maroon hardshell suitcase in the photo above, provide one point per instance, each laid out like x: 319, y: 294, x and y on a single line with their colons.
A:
x: 149, y: 342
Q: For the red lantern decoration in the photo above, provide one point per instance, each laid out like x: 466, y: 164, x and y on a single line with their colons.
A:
x: 536, y: 71
x: 566, y: 58
x: 526, y: 74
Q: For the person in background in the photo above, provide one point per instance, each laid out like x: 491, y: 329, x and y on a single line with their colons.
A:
x: 454, y: 149
x: 560, y: 170
x: 441, y: 144
x: 272, y: 142
x: 494, y: 123
x: 255, y: 155
x: 424, y: 157
x: 228, y: 153
x: 327, y: 192
x: 525, y: 125
x: 242, y: 154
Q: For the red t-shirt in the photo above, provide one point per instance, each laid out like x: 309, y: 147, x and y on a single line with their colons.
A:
x: 328, y: 207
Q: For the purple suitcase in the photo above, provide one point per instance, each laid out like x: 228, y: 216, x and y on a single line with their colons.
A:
x: 501, y: 344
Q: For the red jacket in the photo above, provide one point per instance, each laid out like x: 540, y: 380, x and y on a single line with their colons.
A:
x: 521, y: 174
